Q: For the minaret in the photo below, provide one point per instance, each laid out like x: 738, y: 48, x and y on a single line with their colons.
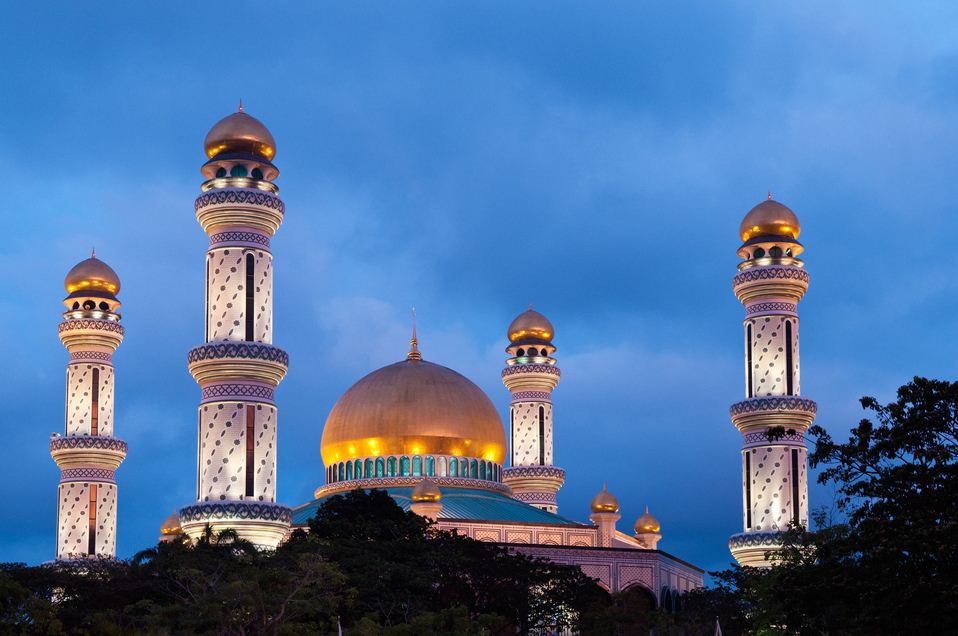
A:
x: 531, y: 375
x: 87, y: 453
x: 605, y: 514
x: 238, y: 368
x: 770, y: 283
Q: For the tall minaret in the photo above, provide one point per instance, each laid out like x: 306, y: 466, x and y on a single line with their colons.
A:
x: 87, y: 453
x: 238, y: 368
x: 770, y: 282
x: 531, y: 375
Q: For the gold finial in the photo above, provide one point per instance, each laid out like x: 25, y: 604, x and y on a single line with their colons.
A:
x: 240, y: 109
x: 414, y: 341
x: 769, y: 195
x: 93, y: 253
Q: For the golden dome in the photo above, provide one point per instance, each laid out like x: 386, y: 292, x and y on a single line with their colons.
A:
x: 171, y: 525
x: 769, y: 218
x: 605, y: 501
x: 92, y: 274
x: 240, y: 132
x: 531, y: 325
x: 413, y: 407
x: 647, y: 524
x: 426, y: 491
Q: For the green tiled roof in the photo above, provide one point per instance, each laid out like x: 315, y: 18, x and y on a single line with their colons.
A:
x: 460, y: 503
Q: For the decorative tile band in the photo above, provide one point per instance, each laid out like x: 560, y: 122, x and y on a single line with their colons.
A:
x: 392, y: 482
x: 89, y: 323
x: 88, y: 474
x: 754, y: 439
x: 227, y: 510
x: 249, y: 238
x: 536, y: 497
x: 213, y: 392
x: 244, y: 350
x: 533, y: 471
x: 531, y: 368
x: 88, y: 441
x: 76, y: 356
x: 775, y: 307
x: 239, y: 196
x: 770, y: 273
x: 755, y: 540
x: 532, y: 396
x: 791, y: 403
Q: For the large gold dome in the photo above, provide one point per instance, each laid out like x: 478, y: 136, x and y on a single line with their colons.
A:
x: 770, y: 218
x: 413, y: 407
x: 94, y: 275
x: 240, y: 132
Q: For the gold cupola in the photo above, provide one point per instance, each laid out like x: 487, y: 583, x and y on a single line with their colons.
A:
x: 92, y: 277
x: 426, y: 491
x: 647, y: 524
x: 530, y: 327
x: 240, y: 133
x: 605, y: 501
x: 170, y: 528
x: 770, y: 218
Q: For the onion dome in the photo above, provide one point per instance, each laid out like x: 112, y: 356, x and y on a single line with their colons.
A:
x: 240, y: 132
x: 531, y: 326
x: 426, y: 491
x: 171, y: 526
x: 413, y: 407
x: 770, y: 218
x: 605, y: 501
x: 647, y: 524
x: 92, y: 275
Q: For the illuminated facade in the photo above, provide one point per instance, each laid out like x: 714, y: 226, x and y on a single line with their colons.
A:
x: 237, y: 367
x: 87, y: 452
x: 770, y: 282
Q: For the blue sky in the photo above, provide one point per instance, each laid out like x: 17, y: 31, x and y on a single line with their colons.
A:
x: 468, y: 159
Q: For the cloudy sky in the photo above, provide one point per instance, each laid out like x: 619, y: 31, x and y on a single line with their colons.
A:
x: 468, y: 159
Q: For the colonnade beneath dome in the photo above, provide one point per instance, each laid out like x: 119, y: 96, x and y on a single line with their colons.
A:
x: 414, y: 466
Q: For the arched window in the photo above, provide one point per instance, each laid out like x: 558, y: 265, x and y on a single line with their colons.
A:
x: 442, y: 467
x: 520, y: 352
x: 368, y: 468
x: 533, y: 352
x: 349, y: 470
x: 431, y: 466
x: 250, y: 310
x: 474, y: 469
x: 482, y: 470
x: 748, y: 358
x: 542, y: 435
x: 404, y: 466
x: 453, y: 467
x: 221, y: 172
x: 256, y: 173
x: 357, y: 468
x: 391, y: 467
x: 788, y: 359
x: 417, y: 466
x: 380, y: 467
x: 238, y: 171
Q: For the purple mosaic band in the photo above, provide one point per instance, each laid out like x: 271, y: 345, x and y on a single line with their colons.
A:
x: 84, y: 356
x: 398, y: 481
x: 227, y: 510
x: 787, y: 403
x: 89, y: 323
x: 755, y: 540
x: 533, y: 471
x: 239, y: 196
x: 236, y: 391
x: 770, y: 273
x: 100, y: 442
x: 243, y: 350
x: 536, y: 497
x: 531, y: 368
x: 532, y: 396
x: 243, y: 239
x: 771, y: 308
x: 761, y: 439
x: 88, y: 474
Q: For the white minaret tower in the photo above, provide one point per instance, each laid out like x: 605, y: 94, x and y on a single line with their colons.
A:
x: 87, y: 453
x: 531, y: 375
x: 770, y: 283
x: 238, y: 368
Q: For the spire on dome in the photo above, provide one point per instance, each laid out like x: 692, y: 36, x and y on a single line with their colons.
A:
x: 414, y: 341
x: 240, y: 109
x: 93, y: 253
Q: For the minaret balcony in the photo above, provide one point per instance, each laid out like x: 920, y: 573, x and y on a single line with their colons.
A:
x: 84, y: 451
x: 757, y: 414
x: 531, y: 377
x: 239, y: 207
x: 750, y: 548
x: 775, y: 282
x: 91, y: 334
x: 219, y: 361
x: 264, y: 524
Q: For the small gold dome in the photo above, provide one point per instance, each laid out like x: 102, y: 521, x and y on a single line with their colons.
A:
x: 413, y: 407
x: 94, y: 275
x: 240, y: 132
x: 769, y: 218
x: 647, y: 524
x: 605, y: 501
x: 171, y: 525
x: 531, y: 326
x: 426, y: 491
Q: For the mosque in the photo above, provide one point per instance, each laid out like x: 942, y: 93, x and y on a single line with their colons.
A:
x: 419, y: 430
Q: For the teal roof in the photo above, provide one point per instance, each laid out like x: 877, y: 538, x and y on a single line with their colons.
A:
x: 470, y: 504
